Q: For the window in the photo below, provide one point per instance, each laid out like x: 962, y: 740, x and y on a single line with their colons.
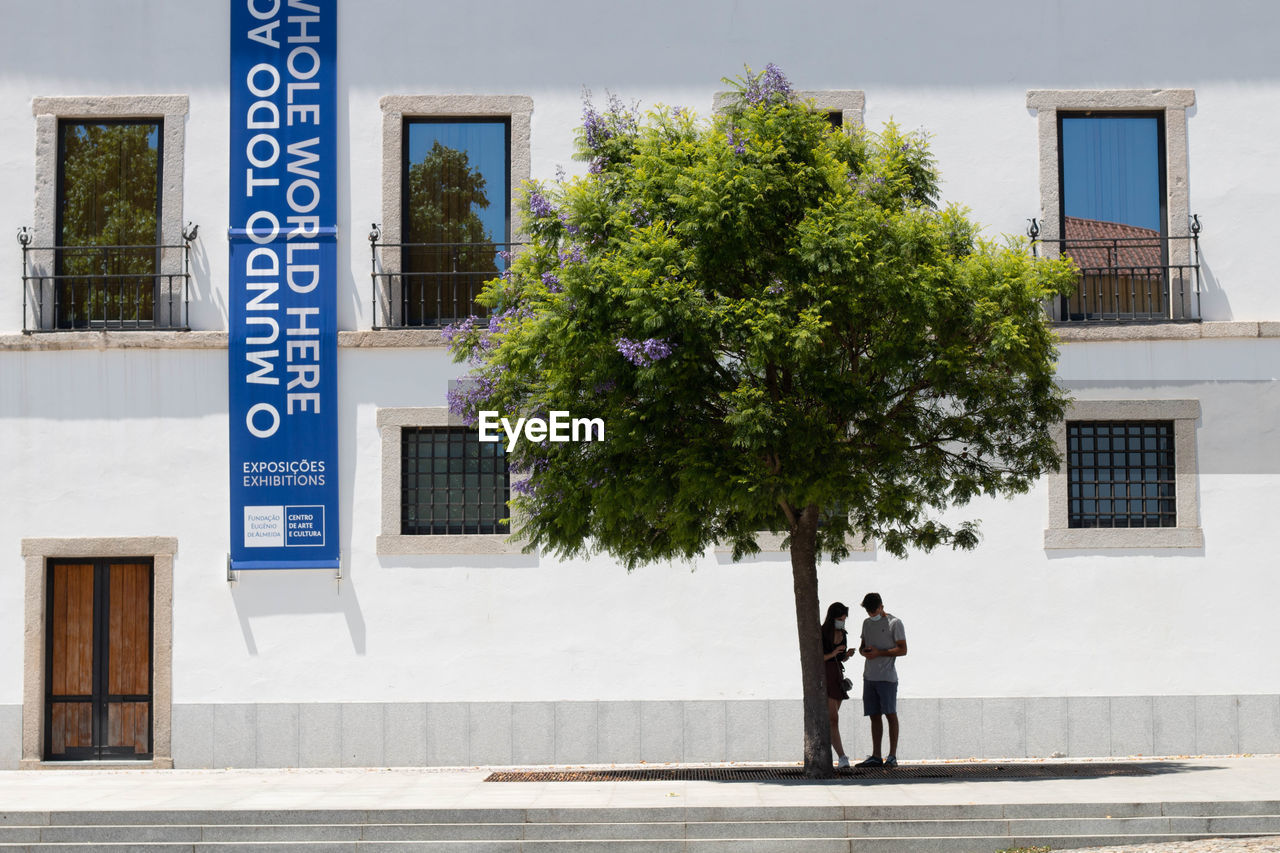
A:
x: 443, y: 492
x: 1113, y: 215
x: 450, y: 163
x: 1128, y: 478
x: 109, y: 176
x: 451, y: 482
x: 456, y: 217
x: 1121, y: 474
x: 1113, y: 184
x: 108, y: 250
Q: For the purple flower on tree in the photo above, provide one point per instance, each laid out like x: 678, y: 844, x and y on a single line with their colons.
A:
x: 739, y: 143
x: 643, y: 353
x: 539, y: 206
x: 573, y: 256
x: 468, y: 396
x: 462, y: 327
x: 594, y: 126
x: 568, y: 226
x: 598, y: 128
x: 552, y: 281
x: 770, y: 88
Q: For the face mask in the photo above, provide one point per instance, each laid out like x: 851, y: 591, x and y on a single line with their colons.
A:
x: 875, y: 618
x: 839, y: 624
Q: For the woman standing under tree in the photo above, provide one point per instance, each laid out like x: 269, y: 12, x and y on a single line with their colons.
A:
x: 834, y: 653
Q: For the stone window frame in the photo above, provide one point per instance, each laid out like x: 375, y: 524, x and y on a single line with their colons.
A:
x: 851, y: 103
x: 395, y: 109
x: 1187, y: 534
x: 391, y: 542
x: 170, y: 110
x: 36, y: 554
x: 771, y: 543
x: 1171, y: 103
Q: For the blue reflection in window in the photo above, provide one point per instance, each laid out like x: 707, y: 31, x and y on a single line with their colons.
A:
x: 1111, y: 169
x: 483, y: 149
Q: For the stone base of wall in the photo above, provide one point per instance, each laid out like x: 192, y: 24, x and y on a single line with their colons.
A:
x: 10, y: 736
x: 506, y: 733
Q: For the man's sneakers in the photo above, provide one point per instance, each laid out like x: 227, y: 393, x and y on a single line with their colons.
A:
x: 873, y: 761
x: 842, y: 763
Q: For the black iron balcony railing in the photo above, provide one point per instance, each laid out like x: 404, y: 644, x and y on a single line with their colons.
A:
x: 1146, y: 278
x: 430, y: 285
x: 118, y: 288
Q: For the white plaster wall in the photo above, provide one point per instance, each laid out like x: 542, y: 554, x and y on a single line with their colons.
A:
x: 962, y: 73
x: 125, y: 443
x: 131, y: 443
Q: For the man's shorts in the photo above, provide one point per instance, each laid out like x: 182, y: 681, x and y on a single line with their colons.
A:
x: 879, y: 697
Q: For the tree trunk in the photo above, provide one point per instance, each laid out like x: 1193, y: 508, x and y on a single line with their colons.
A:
x: 804, y: 574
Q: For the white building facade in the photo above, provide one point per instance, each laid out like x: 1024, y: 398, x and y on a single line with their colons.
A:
x: 1059, y: 634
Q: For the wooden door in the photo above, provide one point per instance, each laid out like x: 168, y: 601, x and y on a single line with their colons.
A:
x: 98, y: 672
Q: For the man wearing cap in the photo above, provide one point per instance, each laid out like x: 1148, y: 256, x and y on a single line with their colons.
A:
x: 883, y: 640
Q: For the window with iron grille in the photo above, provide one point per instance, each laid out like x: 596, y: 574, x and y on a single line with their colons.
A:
x: 456, y: 216
x: 1113, y: 215
x: 109, y: 178
x: 1114, y: 196
x: 452, y: 483
x: 1121, y: 474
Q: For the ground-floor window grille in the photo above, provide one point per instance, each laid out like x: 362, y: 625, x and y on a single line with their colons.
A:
x: 1121, y: 474
x: 452, y: 483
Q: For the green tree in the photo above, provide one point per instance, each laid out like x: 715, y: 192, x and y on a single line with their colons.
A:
x: 782, y: 331
x: 445, y: 196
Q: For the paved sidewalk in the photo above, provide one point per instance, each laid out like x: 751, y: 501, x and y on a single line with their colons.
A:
x: 1270, y: 844
x: 1201, y: 779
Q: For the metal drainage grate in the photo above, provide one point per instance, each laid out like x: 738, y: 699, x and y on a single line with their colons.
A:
x: 762, y: 774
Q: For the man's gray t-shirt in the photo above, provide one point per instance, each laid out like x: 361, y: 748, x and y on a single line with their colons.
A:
x: 882, y: 634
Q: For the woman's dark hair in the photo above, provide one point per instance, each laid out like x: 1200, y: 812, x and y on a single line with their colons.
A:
x: 834, y: 612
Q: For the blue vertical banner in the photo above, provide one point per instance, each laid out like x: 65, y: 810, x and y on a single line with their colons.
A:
x: 283, y: 285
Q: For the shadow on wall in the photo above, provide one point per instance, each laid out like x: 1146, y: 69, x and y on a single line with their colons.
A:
x: 1214, y: 304
x: 262, y: 593
x: 209, y: 302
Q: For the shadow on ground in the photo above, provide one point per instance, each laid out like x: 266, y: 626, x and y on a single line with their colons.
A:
x: 977, y: 772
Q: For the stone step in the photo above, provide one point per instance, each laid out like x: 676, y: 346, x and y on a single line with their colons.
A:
x: 672, y: 814
x: 863, y: 829
x: 955, y: 844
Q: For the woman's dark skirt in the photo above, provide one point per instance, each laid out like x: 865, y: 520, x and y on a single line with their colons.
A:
x: 835, y: 681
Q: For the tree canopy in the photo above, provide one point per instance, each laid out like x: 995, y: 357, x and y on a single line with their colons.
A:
x: 782, y: 331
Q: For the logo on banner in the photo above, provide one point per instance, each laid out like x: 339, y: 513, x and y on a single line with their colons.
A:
x: 283, y: 526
